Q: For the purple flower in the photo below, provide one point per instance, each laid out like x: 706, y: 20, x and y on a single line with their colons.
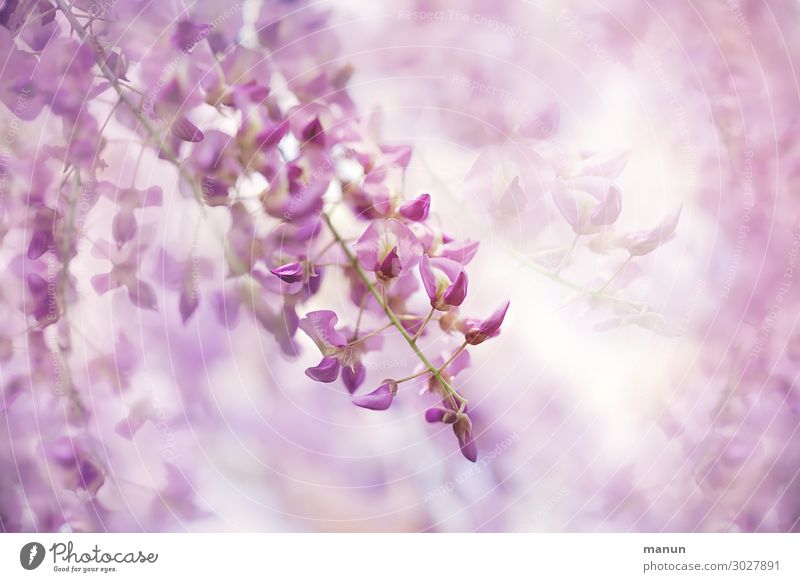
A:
x: 185, y: 130
x: 188, y: 34
x: 437, y: 414
x: 445, y: 282
x: 44, y: 227
x: 338, y: 354
x: 289, y: 273
x: 296, y: 192
x: 326, y: 371
x: 353, y: 376
x: 42, y: 299
x: 607, y: 165
x: 462, y: 428
x: 388, y: 248
x: 458, y: 365
x: 458, y: 251
x: 416, y: 210
x: 478, y: 332
x: 124, y: 273
x: 313, y: 133
x: 588, y: 204
x: 380, y: 398
x: 320, y: 327
x: 646, y: 241
x: 512, y: 200
x: 77, y: 463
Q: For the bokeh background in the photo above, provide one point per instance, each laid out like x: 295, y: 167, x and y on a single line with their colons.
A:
x: 680, y: 414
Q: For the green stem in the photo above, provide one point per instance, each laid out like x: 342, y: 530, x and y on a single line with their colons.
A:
x: 390, y: 314
x: 355, y: 340
x: 360, y: 315
x: 424, y: 324
x: 615, y: 275
x: 567, y: 255
x: 630, y: 304
x: 461, y: 348
x: 412, y: 376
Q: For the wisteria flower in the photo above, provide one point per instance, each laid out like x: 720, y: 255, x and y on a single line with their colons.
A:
x: 588, y: 204
x: 379, y: 399
x: 646, y: 241
x: 388, y: 248
x: 416, y: 210
x: 477, y: 332
x: 124, y: 273
x: 445, y: 282
x: 453, y: 411
x: 337, y: 353
x: 459, y: 251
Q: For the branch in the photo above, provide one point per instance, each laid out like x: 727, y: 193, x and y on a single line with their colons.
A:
x: 154, y: 134
x: 434, y: 371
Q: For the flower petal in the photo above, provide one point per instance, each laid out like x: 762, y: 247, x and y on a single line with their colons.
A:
x: 380, y: 398
x: 289, y: 273
x: 353, y: 376
x: 489, y: 327
x: 326, y: 371
x: 185, y: 130
x: 320, y: 327
x: 457, y: 292
x: 416, y: 210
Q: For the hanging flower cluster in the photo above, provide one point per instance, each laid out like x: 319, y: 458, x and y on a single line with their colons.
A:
x: 215, y: 115
x: 260, y: 141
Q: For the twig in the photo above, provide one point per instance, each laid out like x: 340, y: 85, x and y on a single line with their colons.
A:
x: 391, y: 315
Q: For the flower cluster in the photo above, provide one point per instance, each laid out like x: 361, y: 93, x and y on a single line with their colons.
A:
x: 174, y: 187
x: 244, y: 139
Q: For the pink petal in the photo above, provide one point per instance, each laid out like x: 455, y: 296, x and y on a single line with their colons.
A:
x: 326, y: 371
x: 380, y: 398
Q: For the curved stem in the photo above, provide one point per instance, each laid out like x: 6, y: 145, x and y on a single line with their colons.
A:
x: 460, y: 349
x: 424, y: 324
x: 412, y: 376
x: 615, y: 275
x: 356, y: 340
x: 390, y: 314
x: 630, y: 304
x: 567, y: 255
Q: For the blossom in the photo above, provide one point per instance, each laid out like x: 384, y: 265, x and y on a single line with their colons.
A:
x: 44, y: 226
x: 388, y: 248
x: 602, y: 164
x: 258, y: 142
x: 124, y: 273
x: 185, y: 130
x: 445, y: 282
x: 459, y: 251
x: 462, y: 428
x: 124, y: 225
x: 416, y: 210
x: 290, y: 272
x: 646, y: 241
x: 588, y: 204
x: 337, y: 353
x: 477, y: 332
x: 379, y: 399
